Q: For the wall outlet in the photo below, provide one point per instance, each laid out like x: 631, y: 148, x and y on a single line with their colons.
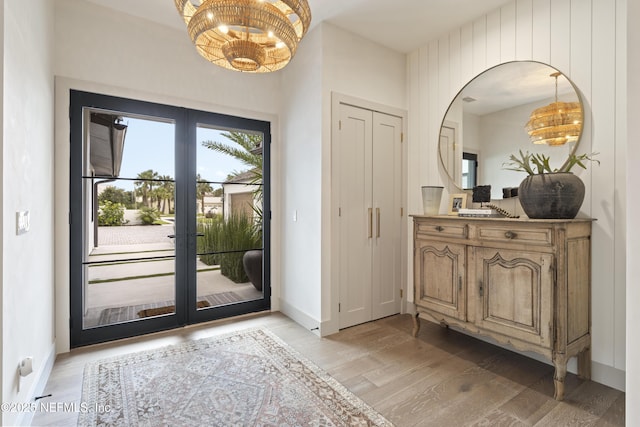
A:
x: 26, y: 366
x: 22, y: 222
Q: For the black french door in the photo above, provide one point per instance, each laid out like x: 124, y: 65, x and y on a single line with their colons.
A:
x: 169, y: 217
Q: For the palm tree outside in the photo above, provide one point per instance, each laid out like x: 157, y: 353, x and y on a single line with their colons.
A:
x: 145, y: 184
x: 248, y: 150
x: 167, y: 186
x: 203, y: 188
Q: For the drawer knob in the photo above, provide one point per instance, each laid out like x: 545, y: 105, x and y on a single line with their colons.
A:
x: 439, y: 228
x: 510, y: 235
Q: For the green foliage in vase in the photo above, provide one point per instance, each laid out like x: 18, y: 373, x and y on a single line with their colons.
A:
x: 537, y: 163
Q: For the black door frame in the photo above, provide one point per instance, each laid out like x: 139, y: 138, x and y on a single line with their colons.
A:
x: 186, y: 121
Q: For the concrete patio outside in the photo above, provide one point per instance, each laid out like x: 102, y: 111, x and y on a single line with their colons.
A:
x: 124, y: 282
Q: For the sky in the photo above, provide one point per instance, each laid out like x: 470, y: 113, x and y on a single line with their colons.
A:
x: 150, y: 145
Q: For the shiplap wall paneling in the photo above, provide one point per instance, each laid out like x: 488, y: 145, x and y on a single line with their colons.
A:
x: 466, y: 55
x: 415, y: 150
x: 430, y: 175
x: 580, y: 70
x: 620, y: 235
x: 603, y: 177
x: 433, y: 120
x: 479, y: 45
x: 455, y: 65
x: 524, y: 29
x: 444, y: 72
x: 493, y: 38
x: 508, y: 32
x: 541, y: 36
x: 560, y: 35
x: 578, y: 38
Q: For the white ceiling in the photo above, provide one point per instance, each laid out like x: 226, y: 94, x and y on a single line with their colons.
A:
x: 403, y: 25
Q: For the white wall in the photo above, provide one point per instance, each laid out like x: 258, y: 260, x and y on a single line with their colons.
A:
x: 331, y: 60
x: 97, y: 44
x: 27, y: 170
x: 633, y: 228
x: 586, y: 41
x: 364, y: 70
x: 301, y: 177
x: 360, y: 68
x: 2, y: 204
x: 100, y: 50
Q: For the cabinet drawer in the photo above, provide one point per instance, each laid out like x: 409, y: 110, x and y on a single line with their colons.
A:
x: 536, y: 236
x: 448, y: 229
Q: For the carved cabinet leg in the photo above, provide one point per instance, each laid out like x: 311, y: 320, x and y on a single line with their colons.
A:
x: 584, y: 364
x: 560, y: 362
x: 416, y: 325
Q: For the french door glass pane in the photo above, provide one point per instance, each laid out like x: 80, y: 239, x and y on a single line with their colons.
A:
x: 129, y: 194
x: 228, y: 217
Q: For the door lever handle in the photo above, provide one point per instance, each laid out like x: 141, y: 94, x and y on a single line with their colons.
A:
x: 171, y: 236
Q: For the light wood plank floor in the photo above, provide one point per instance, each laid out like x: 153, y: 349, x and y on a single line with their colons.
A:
x: 442, y: 378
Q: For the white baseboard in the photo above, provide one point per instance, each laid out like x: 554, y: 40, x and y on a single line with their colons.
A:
x: 608, y: 376
x: 300, y: 317
x: 25, y: 418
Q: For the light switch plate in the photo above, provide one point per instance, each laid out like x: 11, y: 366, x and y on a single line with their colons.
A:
x: 22, y: 222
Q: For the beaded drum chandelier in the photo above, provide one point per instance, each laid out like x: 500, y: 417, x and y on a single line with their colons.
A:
x: 556, y: 123
x: 256, y: 36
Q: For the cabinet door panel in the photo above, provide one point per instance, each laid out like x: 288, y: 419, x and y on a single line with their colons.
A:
x: 440, y: 277
x: 514, y: 295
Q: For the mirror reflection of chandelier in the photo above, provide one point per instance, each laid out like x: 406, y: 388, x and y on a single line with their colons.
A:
x: 556, y: 123
x: 256, y: 36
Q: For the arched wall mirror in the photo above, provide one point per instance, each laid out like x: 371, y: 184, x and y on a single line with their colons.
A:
x: 486, y: 123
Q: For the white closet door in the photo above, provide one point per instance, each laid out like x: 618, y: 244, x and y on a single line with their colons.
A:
x: 387, y: 202
x: 367, y: 173
x: 353, y: 173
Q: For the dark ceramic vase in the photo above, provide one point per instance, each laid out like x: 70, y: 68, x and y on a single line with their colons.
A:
x: 551, y: 195
x: 252, y: 261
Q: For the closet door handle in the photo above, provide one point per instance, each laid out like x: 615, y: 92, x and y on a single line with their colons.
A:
x: 370, y: 222
x: 377, y: 222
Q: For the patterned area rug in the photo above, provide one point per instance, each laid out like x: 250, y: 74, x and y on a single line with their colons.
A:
x: 245, y: 378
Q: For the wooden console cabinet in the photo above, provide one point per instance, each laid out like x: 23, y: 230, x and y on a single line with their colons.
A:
x: 525, y: 283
